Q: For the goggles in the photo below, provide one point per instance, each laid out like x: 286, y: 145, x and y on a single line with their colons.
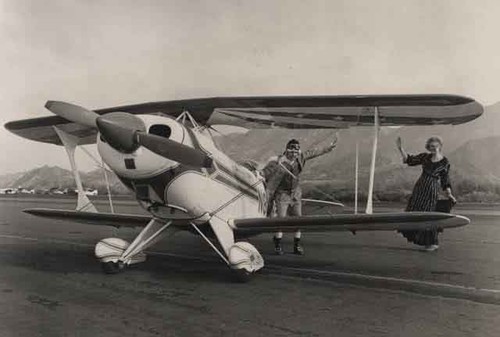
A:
x: 293, y: 151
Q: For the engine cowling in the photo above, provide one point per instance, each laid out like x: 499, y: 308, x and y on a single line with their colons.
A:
x: 142, y: 163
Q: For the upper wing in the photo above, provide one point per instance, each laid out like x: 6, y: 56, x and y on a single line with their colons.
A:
x: 352, y: 222
x: 278, y: 111
x: 99, y: 219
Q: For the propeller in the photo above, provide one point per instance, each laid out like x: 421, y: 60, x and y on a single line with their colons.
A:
x: 173, y: 150
x: 125, y: 133
x: 127, y: 140
x: 73, y: 113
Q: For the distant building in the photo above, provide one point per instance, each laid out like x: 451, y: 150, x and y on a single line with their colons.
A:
x: 23, y: 190
x: 56, y: 191
x: 8, y: 190
x: 91, y: 191
x: 69, y: 191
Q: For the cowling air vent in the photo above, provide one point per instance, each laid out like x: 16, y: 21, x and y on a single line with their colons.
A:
x: 129, y: 163
x: 160, y: 130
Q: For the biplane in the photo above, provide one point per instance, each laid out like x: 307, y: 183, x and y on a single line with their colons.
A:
x: 165, y: 154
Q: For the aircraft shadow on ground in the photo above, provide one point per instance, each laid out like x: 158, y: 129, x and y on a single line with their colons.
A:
x: 201, y: 266
x: 77, y: 259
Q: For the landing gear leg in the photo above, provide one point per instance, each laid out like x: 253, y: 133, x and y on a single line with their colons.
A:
x: 242, y: 257
x: 115, y: 254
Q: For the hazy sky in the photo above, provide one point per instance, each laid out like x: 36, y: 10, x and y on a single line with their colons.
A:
x: 106, y: 53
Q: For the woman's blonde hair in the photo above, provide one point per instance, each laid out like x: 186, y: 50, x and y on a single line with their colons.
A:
x: 433, y: 139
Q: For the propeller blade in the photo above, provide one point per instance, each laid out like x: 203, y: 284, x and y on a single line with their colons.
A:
x: 173, y: 150
x: 73, y: 113
x: 128, y: 139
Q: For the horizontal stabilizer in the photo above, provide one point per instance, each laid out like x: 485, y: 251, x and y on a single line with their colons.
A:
x: 352, y: 222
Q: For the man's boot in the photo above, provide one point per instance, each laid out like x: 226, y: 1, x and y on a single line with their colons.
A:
x: 297, y: 247
x: 277, y: 246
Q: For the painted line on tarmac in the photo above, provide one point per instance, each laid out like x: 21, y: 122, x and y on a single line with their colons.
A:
x: 429, y: 288
x: 384, y: 278
x: 481, y: 295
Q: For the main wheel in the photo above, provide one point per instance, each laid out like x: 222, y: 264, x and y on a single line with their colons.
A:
x: 112, y: 267
x: 241, y: 275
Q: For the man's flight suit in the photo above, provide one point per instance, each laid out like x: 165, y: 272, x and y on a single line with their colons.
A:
x: 283, y: 189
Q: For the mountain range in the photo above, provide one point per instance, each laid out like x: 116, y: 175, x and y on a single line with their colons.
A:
x: 48, y: 177
x: 471, y: 148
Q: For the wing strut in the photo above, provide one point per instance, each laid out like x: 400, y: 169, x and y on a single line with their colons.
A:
x: 376, y: 128
x: 103, y: 167
x: 70, y: 142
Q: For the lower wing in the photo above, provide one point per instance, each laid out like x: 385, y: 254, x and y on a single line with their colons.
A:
x: 314, y: 223
x: 100, y: 219
x: 352, y: 222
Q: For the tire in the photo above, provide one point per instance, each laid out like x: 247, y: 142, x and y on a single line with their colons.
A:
x: 241, y: 275
x: 112, y: 267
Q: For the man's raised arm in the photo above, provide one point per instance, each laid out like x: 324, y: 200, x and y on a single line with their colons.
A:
x: 318, y: 151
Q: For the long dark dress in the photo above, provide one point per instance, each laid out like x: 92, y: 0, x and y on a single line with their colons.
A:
x: 425, y: 193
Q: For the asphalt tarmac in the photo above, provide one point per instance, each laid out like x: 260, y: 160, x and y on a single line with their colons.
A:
x: 368, y: 284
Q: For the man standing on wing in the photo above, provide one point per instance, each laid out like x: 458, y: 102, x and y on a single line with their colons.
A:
x: 283, y: 188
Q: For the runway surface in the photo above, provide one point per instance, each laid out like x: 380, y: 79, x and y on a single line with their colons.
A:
x: 372, y: 284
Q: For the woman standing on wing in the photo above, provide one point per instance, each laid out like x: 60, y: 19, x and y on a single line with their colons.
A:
x: 435, y: 170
